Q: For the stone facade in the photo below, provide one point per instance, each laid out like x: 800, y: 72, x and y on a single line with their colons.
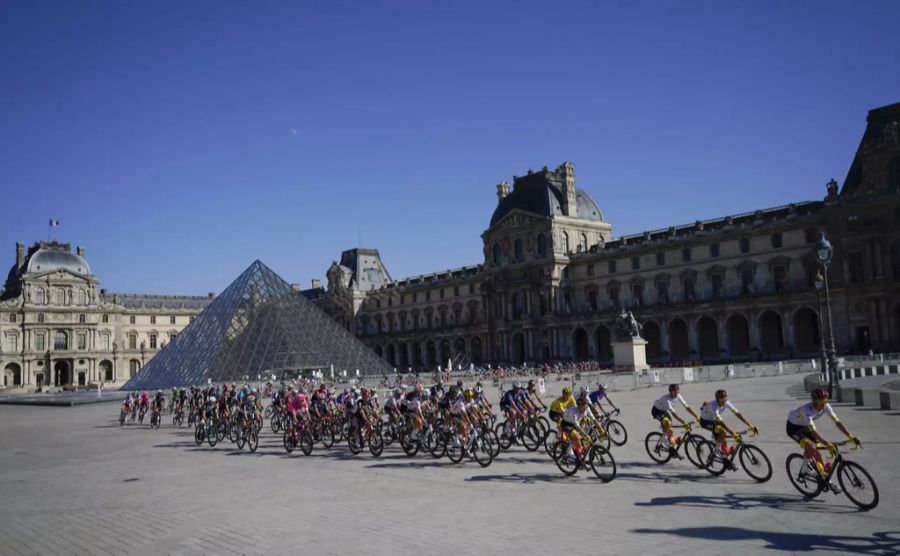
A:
x: 740, y: 287
x: 58, y: 328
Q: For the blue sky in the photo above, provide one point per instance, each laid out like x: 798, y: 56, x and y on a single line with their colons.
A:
x: 179, y: 141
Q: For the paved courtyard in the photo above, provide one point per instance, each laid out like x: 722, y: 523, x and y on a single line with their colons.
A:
x: 72, y: 481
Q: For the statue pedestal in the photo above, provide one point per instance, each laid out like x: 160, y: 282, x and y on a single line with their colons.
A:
x: 631, y: 354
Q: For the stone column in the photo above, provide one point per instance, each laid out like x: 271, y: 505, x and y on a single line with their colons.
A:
x: 724, y: 343
x: 664, y: 340
x: 692, y: 337
x: 754, y: 333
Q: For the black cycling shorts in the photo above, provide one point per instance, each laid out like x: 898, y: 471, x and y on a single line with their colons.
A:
x: 708, y: 425
x: 659, y: 415
x: 798, y: 432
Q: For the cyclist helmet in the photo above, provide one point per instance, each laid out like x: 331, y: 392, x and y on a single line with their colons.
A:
x: 398, y: 392
x: 301, y: 390
x: 820, y: 394
x: 566, y: 391
x: 583, y: 391
x: 468, y: 394
x: 478, y: 388
x: 601, y: 388
x: 459, y: 383
x: 517, y: 386
x: 365, y: 393
x: 721, y: 393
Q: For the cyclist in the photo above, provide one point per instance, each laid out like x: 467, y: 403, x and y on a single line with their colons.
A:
x: 510, y: 404
x: 414, y: 402
x: 598, y: 395
x: 532, y: 394
x: 459, y: 414
x: 159, y: 402
x: 569, y: 420
x: 711, y: 420
x: 801, y: 427
x: 392, y: 405
x: 298, y: 404
x: 559, y: 405
x: 663, y: 411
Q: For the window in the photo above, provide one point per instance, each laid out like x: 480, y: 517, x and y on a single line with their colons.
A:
x: 441, y: 293
x: 590, y: 270
x: 520, y: 251
x: 747, y: 282
x: 132, y: 341
x: 894, y: 174
x: 191, y: 319
x: 471, y: 289
x: 105, y: 319
x: 134, y: 365
x: 564, y: 239
x: 810, y: 235
x: 714, y: 250
x: 635, y: 263
x: 745, y: 245
x: 82, y: 341
x: 81, y: 319
x: 637, y: 292
x: 60, y: 296
x: 855, y: 263
x: 565, y: 272
x: 612, y: 266
x: 12, y: 317
x: 660, y: 258
x: 614, y: 297
x: 688, y: 289
x: 662, y: 292
x: 776, y: 240
x: 104, y: 341
x: 60, y: 340
x: 172, y: 336
x: 152, y: 319
x: 40, y: 318
x: 428, y: 295
x: 152, y: 341
x: 82, y: 297
x: 40, y: 342
x: 131, y: 319
x: 542, y: 245
x: 780, y: 275
x: 592, y: 300
x: 12, y: 341
x: 40, y: 297
x: 497, y: 253
x: 716, y: 286
x: 584, y: 242
x: 686, y: 254
x: 455, y: 291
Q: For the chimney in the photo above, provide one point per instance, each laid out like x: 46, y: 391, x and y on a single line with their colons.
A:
x: 20, y: 255
x: 295, y: 287
x: 211, y: 295
x: 502, y: 191
x: 316, y: 283
x: 569, y: 205
x: 80, y: 251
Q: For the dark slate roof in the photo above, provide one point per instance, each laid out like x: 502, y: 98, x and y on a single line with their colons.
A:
x: 541, y: 193
x: 313, y: 294
x: 877, y: 119
x: 367, y: 268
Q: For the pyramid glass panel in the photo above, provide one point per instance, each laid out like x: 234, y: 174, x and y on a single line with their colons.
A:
x: 258, y: 326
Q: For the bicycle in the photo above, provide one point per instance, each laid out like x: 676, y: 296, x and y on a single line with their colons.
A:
x: 851, y: 475
x: 178, y: 417
x: 297, y: 435
x: 750, y: 456
x: 359, y: 437
x: 477, y: 447
x: 596, y: 458
x: 206, y: 431
x: 615, y: 429
x: 155, y: 419
x: 660, y: 451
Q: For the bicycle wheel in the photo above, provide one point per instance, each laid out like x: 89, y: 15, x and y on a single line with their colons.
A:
x: 289, y: 441
x: 804, y: 479
x: 858, y: 485
x: 693, y: 443
x: 602, y: 462
x: 505, y: 441
x: 617, y: 433
x: 354, y: 441
x: 482, y: 451
x: 531, y: 437
x: 435, y: 443
x: 376, y: 443
x: 269, y: 411
x: 494, y: 441
x: 755, y: 462
x: 409, y: 444
x: 199, y: 434
x: 327, y: 437
x: 713, y: 461
x: 240, y: 437
x: 305, y: 442
x: 455, y: 449
x: 275, y: 423
x: 252, y: 439
x: 211, y: 436
x: 550, y: 441
x: 657, y: 448
x: 567, y: 463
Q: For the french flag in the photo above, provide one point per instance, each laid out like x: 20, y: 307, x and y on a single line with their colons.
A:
x: 54, y: 223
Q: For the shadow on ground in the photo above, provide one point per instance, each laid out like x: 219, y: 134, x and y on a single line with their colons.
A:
x: 879, y: 543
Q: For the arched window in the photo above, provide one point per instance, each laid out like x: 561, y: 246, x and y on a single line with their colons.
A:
x: 82, y: 297
x: 542, y: 245
x: 81, y: 319
x: 60, y: 296
x: 520, y: 252
x: 497, y: 253
x: 40, y: 318
x: 894, y: 174
x: 12, y: 317
x: 60, y: 340
x: 584, y: 243
x: 564, y: 241
x: 40, y: 296
x: 134, y: 366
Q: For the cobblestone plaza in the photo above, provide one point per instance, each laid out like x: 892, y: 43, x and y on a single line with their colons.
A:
x: 74, y: 482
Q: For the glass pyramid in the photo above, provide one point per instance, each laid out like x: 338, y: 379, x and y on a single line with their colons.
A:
x: 258, y: 326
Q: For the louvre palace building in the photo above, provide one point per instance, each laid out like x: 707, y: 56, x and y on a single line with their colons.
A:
x: 736, y: 288
x: 59, y: 328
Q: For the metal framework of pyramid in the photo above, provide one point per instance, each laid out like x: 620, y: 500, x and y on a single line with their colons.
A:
x: 258, y: 326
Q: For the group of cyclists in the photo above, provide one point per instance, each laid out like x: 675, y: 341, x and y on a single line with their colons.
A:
x: 416, y: 415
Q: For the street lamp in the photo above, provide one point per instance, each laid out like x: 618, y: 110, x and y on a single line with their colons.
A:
x: 819, y: 283
x: 824, y: 252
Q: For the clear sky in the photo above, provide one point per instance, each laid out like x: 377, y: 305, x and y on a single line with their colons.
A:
x: 179, y: 141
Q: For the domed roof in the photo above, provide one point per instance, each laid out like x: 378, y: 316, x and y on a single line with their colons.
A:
x: 48, y: 259
x: 541, y: 193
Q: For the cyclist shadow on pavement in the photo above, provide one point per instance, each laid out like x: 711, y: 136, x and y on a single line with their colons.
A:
x: 532, y: 478
x: 748, y: 501
x: 887, y: 542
